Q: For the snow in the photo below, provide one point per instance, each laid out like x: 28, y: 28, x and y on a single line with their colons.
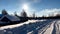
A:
x: 57, y: 26
x: 50, y: 29
x: 33, y: 27
x: 30, y: 32
x: 1, y: 31
x: 58, y: 23
x: 18, y: 25
x: 12, y: 18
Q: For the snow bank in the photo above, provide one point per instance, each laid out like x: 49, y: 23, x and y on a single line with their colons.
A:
x: 18, y: 25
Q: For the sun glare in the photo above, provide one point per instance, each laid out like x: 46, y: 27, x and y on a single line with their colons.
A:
x: 25, y: 6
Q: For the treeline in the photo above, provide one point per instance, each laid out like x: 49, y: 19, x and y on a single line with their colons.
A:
x: 24, y: 16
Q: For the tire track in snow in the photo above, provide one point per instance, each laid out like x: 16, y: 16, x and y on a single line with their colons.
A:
x: 56, y: 28
x: 50, y: 29
x: 45, y: 28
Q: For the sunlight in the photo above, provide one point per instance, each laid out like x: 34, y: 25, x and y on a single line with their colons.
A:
x: 25, y: 6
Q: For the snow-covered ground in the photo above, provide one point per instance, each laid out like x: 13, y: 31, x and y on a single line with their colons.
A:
x: 46, y: 26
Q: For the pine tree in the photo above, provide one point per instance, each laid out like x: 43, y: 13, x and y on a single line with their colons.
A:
x: 4, y: 12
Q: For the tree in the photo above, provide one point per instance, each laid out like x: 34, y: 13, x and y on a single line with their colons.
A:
x: 34, y: 14
x: 58, y: 15
x: 23, y: 14
x: 15, y: 13
x: 4, y: 12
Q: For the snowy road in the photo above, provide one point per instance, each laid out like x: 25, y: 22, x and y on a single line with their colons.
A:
x: 54, y: 28
x: 49, y: 30
x: 33, y: 27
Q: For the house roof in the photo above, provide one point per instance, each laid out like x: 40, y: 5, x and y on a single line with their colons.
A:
x: 1, y: 15
x: 12, y: 18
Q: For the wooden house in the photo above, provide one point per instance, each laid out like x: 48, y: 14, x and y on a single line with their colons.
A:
x: 9, y: 19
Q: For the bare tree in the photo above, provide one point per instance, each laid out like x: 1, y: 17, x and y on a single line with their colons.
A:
x: 4, y: 12
x: 34, y: 14
x: 15, y: 13
x: 23, y: 14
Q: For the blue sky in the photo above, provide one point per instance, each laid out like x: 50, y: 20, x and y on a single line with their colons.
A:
x: 40, y: 7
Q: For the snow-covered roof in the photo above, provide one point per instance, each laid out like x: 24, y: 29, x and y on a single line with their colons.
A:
x: 10, y: 17
x: 1, y: 15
